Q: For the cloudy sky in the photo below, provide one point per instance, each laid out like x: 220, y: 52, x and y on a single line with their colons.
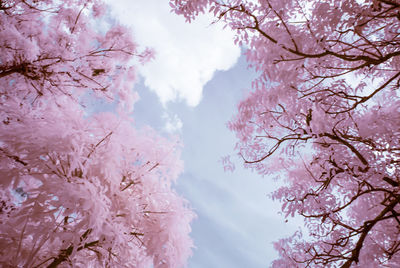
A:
x: 192, y: 89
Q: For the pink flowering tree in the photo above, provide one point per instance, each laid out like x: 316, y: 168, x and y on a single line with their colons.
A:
x: 324, y: 116
x: 77, y: 188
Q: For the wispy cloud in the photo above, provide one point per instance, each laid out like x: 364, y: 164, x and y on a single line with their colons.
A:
x: 173, y: 123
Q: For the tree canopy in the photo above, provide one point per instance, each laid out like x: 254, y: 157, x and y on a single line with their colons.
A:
x: 80, y: 188
x: 323, y: 116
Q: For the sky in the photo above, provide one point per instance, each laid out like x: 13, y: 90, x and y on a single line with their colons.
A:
x: 192, y: 89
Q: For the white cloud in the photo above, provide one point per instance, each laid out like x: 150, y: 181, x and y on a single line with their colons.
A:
x: 187, y: 55
x: 173, y: 123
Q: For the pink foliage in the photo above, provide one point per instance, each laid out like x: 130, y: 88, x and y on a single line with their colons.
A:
x: 227, y: 164
x: 77, y: 189
x: 324, y: 116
